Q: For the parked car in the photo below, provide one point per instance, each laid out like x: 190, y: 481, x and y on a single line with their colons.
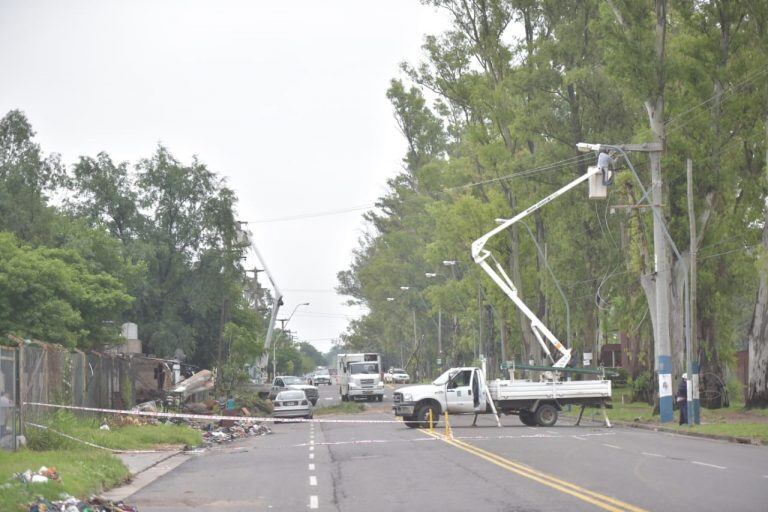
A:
x: 285, y: 382
x: 399, y: 376
x: 292, y: 403
x: 321, y: 378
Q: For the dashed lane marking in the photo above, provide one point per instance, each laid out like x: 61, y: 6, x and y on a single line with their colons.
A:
x: 311, y: 456
x: 311, y: 442
x: 313, y: 501
x: 313, y: 480
x: 579, y: 438
x: 708, y: 465
x: 311, y: 448
x: 652, y: 454
x: 612, y: 446
x: 311, y: 467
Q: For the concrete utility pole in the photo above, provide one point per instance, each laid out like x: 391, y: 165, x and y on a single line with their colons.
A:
x: 663, y: 270
x: 692, y: 348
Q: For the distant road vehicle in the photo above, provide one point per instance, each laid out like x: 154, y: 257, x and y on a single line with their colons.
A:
x: 287, y: 382
x: 360, y: 376
x: 397, y: 376
x: 292, y: 403
x: 321, y: 377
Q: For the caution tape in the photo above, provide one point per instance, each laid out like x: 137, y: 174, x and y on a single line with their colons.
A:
x: 204, y: 417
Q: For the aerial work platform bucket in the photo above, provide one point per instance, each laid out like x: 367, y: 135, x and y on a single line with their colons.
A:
x: 597, y: 187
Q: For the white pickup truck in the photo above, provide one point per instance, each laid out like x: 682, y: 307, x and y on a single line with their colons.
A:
x: 465, y: 391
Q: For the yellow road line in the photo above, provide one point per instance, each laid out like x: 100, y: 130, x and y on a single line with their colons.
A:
x: 594, y: 498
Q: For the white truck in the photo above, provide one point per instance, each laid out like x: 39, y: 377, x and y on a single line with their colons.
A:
x: 360, y: 376
x: 536, y: 402
x: 464, y: 390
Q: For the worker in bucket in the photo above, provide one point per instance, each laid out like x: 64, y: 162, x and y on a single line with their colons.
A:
x: 606, y: 161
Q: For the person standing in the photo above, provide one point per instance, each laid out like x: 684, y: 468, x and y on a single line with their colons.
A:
x: 5, y: 408
x: 605, y: 162
x: 682, y: 399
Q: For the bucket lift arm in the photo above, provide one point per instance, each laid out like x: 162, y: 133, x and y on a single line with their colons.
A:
x: 277, y: 301
x: 481, y: 255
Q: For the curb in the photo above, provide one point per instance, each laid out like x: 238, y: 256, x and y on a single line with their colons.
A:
x: 145, y: 476
x: 659, y: 428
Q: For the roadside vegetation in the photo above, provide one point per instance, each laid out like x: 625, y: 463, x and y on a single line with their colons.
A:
x: 345, y: 408
x: 83, y: 470
x: 733, y: 421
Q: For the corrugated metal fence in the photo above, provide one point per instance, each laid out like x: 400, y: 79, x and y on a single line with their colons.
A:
x: 32, y: 371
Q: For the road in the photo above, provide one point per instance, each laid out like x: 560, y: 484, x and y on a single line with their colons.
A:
x: 375, y: 464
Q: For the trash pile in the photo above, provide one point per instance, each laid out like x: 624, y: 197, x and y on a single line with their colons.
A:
x: 217, y: 434
x: 72, y: 504
x: 41, y: 476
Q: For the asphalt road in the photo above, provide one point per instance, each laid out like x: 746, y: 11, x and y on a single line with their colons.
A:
x: 375, y: 464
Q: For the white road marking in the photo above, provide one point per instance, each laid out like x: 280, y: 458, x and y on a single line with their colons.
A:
x: 765, y: 476
x: 313, y: 501
x: 579, y: 438
x: 652, y: 454
x: 311, y: 467
x: 311, y: 448
x: 311, y: 456
x: 612, y: 446
x: 553, y: 432
x: 313, y: 480
x: 708, y: 465
x: 329, y: 398
x: 311, y: 442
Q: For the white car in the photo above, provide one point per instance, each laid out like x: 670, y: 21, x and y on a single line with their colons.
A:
x: 397, y: 376
x: 292, y: 403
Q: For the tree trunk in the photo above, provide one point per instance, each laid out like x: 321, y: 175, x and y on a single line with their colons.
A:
x: 757, y: 373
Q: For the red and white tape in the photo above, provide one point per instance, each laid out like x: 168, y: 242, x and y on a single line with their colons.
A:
x: 205, y: 417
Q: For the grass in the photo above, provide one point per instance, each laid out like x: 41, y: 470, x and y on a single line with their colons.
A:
x: 82, y: 472
x: 734, y: 421
x: 344, y: 408
x: 126, y: 437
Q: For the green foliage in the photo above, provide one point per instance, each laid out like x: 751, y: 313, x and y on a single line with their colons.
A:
x: 51, y: 295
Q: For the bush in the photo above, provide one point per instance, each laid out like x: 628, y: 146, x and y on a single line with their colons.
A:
x: 735, y: 390
x: 642, y: 388
x: 44, y: 439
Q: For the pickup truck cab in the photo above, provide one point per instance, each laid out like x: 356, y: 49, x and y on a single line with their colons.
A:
x: 464, y: 390
x: 282, y: 383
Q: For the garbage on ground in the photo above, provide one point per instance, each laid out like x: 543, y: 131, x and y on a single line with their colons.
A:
x: 104, y: 427
x: 41, y: 476
x: 215, y: 434
x: 72, y: 504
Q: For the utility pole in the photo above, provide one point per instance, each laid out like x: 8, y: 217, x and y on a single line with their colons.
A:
x: 691, y: 349
x: 663, y: 271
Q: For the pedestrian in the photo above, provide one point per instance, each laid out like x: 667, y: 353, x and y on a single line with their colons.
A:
x: 5, y: 406
x: 682, y: 399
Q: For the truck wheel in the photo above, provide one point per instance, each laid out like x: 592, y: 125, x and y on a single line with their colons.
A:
x: 410, y: 421
x: 527, y: 418
x: 422, y: 415
x: 546, y: 415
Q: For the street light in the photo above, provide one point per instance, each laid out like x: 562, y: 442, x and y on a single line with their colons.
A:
x: 283, y: 322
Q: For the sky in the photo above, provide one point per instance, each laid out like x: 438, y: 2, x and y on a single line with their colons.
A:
x: 287, y: 100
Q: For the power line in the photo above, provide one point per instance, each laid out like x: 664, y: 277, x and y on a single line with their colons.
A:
x: 326, y: 213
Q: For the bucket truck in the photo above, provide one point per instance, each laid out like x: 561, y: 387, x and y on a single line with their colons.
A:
x: 465, y: 390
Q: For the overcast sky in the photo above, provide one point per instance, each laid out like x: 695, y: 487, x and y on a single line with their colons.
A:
x: 285, y: 99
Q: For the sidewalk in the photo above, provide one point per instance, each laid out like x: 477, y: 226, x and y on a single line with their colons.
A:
x: 145, y: 468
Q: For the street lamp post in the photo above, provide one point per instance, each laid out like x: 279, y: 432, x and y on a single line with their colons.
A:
x: 439, y: 328
x: 283, y: 323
